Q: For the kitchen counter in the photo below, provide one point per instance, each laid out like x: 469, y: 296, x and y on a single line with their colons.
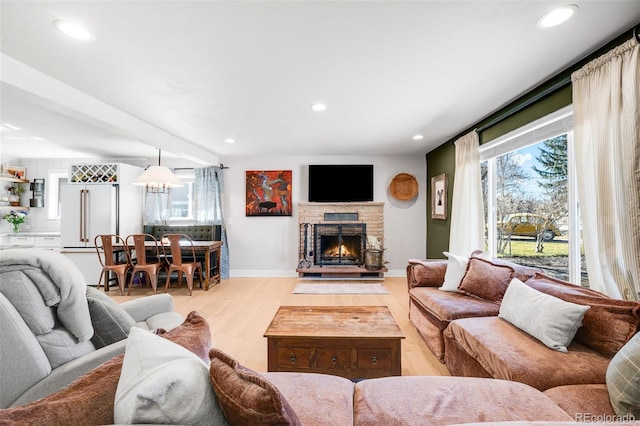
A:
x: 30, y: 234
x: 44, y: 240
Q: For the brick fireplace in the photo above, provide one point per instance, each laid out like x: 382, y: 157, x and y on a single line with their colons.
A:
x: 336, y: 237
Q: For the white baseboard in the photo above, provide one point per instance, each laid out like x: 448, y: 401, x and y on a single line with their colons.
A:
x: 292, y: 273
x: 262, y: 273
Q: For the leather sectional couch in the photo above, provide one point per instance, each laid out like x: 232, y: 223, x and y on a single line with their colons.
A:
x: 246, y: 397
x: 172, y: 377
x: 467, y: 334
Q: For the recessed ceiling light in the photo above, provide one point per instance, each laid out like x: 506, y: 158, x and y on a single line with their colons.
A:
x: 73, y: 30
x: 230, y: 140
x: 417, y: 137
x: 12, y: 127
x: 318, y: 107
x: 557, y: 16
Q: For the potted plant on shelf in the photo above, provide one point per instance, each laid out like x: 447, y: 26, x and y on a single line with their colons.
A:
x: 16, y: 219
x: 14, y: 194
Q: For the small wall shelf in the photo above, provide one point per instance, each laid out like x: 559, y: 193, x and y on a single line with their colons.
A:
x: 14, y: 208
x: 12, y: 179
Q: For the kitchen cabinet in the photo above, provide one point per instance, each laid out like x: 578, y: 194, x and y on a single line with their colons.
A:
x: 22, y: 240
x: 48, y: 242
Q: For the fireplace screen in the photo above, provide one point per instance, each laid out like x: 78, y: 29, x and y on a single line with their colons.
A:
x: 339, y: 244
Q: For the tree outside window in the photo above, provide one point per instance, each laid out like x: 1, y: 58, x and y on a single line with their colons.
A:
x: 530, y: 199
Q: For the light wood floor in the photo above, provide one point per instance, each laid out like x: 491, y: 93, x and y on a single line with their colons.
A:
x: 239, y: 311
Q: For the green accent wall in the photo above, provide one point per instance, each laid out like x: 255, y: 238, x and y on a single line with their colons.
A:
x: 546, y: 106
x: 440, y: 160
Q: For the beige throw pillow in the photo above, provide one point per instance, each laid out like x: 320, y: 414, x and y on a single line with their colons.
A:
x: 623, y: 380
x: 551, y: 320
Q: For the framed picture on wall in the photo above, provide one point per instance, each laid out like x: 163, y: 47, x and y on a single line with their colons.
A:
x: 268, y: 193
x: 439, y: 197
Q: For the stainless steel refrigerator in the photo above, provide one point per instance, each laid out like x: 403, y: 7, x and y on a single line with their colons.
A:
x: 94, y: 204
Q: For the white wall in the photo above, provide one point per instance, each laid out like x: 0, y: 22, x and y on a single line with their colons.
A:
x: 268, y: 246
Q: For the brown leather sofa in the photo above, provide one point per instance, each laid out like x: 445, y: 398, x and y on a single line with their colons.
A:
x: 466, y: 334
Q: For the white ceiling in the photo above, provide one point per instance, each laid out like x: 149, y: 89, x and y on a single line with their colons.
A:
x: 186, y: 75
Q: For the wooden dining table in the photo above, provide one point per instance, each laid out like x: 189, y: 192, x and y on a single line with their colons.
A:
x: 208, y: 248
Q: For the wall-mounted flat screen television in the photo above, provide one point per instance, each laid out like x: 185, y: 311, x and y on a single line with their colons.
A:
x: 340, y: 183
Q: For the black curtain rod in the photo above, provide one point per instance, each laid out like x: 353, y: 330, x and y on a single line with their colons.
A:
x: 222, y: 167
x: 517, y: 108
x: 560, y: 84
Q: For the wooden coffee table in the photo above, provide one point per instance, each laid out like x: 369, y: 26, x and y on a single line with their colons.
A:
x: 356, y: 342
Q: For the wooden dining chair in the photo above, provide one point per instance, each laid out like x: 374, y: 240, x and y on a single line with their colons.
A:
x: 177, y: 245
x: 148, y: 260
x: 113, y: 259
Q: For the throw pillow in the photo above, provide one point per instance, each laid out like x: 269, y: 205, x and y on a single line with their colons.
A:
x: 163, y: 383
x: 456, y: 267
x: 486, y: 280
x: 247, y: 398
x: 90, y: 399
x: 607, y: 326
x: 111, y: 323
x: 623, y: 379
x: 551, y: 320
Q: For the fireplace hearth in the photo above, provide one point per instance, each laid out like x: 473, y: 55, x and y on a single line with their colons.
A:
x: 339, y: 244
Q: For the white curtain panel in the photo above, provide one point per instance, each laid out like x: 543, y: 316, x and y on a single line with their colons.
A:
x: 606, y: 101
x: 467, y: 206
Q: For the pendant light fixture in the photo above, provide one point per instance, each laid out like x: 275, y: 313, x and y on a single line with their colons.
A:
x: 158, y: 179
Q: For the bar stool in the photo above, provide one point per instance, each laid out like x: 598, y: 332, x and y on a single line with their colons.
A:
x: 176, y: 244
x: 148, y: 260
x: 112, y: 259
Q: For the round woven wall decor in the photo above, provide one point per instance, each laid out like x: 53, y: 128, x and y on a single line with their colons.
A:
x: 403, y: 187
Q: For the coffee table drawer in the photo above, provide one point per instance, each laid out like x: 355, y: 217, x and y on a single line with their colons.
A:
x: 294, y: 357
x: 374, y: 359
x: 334, y: 358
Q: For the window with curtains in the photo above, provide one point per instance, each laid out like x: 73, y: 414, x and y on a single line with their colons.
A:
x: 530, y: 196
x: 180, y: 204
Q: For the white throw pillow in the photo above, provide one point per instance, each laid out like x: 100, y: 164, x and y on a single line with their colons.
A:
x: 163, y: 383
x: 456, y: 268
x: 551, y: 320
